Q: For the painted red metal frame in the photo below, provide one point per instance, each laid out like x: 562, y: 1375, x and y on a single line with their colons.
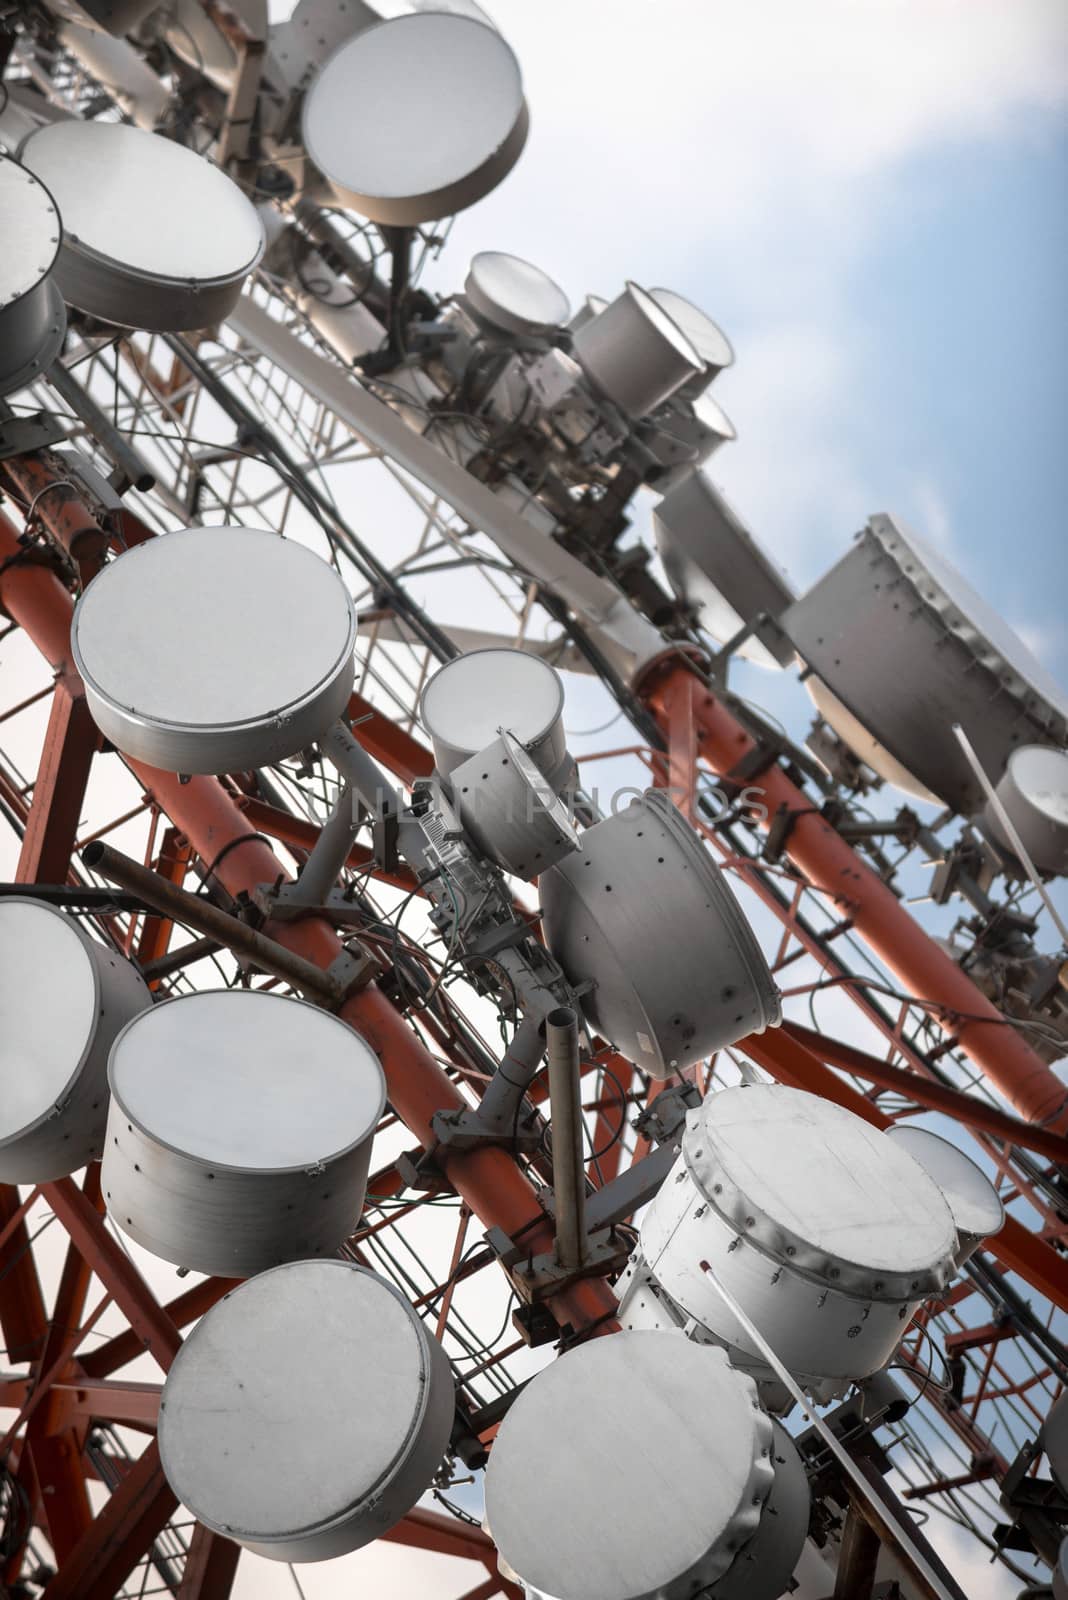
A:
x: 207, y: 818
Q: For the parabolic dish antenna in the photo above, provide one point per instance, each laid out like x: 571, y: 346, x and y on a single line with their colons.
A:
x: 240, y: 1130
x: 634, y: 353
x: 515, y: 295
x: 130, y: 254
x: 33, y: 318
x: 706, y: 336
x: 336, y: 1427
x: 592, y: 306
x: 645, y: 915
x: 689, y: 1455
x: 511, y: 810
x: 164, y: 651
x: 973, y: 1201
x: 417, y: 117
x: 470, y: 698
x: 825, y: 1231
x: 905, y: 646
x: 63, y: 998
x: 713, y: 563
x: 1034, y: 792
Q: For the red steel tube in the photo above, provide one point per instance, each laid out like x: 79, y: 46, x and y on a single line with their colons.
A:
x: 833, y: 868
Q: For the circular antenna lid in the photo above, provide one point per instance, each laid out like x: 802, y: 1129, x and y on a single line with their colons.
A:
x: 972, y: 1199
x: 688, y: 1453
x: 130, y: 254
x: 802, y: 1175
x: 515, y: 295
x: 646, y: 917
x: 1034, y: 792
x: 164, y: 651
x: 46, y: 1027
x: 339, y: 1375
x: 472, y: 697
x: 706, y: 336
x: 213, y: 1076
x: 417, y: 117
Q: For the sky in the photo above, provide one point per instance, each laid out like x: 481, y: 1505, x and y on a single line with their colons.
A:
x: 869, y: 198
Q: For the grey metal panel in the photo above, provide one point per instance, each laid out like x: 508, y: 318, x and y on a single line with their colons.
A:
x: 129, y: 254
x: 1034, y: 792
x: 367, y: 1397
x: 908, y: 649
x: 677, y: 1433
x: 240, y: 1130
x: 33, y: 319
x: 634, y: 353
x: 713, y: 562
x: 63, y: 999
x: 417, y: 117
x: 170, y: 684
x: 646, y: 915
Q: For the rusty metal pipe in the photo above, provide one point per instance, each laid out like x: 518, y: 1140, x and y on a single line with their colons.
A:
x: 208, y: 919
x: 569, y: 1171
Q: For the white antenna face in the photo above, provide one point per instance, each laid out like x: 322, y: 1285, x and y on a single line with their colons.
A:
x: 706, y: 336
x: 972, y: 1199
x: 219, y: 1155
x: 38, y: 1062
x: 469, y: 699
x: 645, y: 914
x: 129, y: 253
x: 874, y: 632
x: 825, y: 1231
x: 866, y: 1208
x: 63, y: 998
x: 336, y: 1371
x: 515, y: 295
x: 32, y: 317
x: 1034, y: 792
x: 164, y: 651
x: 211, y: 1075
x: 417, y: 117
x: 713, y: 562
x: 689, y: 1457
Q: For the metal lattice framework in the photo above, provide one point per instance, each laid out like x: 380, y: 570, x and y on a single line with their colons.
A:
x: 221, y: 432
